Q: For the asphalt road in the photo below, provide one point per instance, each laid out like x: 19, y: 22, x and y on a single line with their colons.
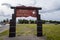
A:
x: 3, y: 28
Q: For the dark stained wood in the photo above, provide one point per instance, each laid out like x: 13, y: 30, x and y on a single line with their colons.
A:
x: 39, y: 25
x: 12, y: 29
x: 28, y: 8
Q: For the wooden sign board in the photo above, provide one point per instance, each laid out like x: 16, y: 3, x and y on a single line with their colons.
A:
x: 25, y: 13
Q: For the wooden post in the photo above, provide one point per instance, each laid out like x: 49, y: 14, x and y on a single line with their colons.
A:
x: 12, y: 30
x: 39, y: 25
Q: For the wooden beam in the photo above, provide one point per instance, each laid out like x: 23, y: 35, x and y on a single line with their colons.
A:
x: 27, y: 8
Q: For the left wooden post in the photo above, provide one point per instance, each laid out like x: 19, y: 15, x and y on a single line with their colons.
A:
x: 12, y: 30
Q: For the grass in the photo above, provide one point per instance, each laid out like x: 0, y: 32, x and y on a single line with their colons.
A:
x: 26, y: 29
x: 51, y: 31
x: 5, y: 33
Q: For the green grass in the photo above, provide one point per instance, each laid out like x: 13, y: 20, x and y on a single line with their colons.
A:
x: 5, y: 33
x: 26, y: 29
x: 51, y: 31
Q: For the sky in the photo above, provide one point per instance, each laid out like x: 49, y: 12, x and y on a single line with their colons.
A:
x: 50, y: 8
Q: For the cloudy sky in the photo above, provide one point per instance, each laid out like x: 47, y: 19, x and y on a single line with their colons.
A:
x: 50, y: 8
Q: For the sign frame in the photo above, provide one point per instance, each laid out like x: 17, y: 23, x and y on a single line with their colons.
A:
x: 13, y: 21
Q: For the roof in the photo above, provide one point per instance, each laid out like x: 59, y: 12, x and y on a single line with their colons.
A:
x: 25, y: 7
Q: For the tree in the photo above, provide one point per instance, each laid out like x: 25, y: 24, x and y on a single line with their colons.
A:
x: 20, y: 21
x: 3, y: 22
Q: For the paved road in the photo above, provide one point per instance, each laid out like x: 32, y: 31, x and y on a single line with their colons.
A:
x: 3, y: 28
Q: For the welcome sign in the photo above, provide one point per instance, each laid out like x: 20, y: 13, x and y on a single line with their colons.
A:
x: 25, y: 13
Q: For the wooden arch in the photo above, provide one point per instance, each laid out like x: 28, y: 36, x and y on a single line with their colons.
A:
x: 22, y: 11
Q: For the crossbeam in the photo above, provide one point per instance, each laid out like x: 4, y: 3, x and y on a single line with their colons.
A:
x: 27, y: 8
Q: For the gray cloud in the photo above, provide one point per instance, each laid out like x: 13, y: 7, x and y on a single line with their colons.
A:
x: 3, y: 14
x: 55, y: 7
x: 6, y: 4
x: 49, y: 11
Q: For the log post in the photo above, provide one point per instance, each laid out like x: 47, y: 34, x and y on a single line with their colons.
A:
x: 12, y: 30
x: 39, y: 25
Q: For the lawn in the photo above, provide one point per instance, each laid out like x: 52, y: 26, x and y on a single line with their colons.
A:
x: 51, y: 31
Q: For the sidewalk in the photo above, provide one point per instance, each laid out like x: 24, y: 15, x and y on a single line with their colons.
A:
x: 25, y: 38
x: 3, y: 28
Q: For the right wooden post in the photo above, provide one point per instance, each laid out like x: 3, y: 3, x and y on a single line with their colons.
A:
x: 39, y: 25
